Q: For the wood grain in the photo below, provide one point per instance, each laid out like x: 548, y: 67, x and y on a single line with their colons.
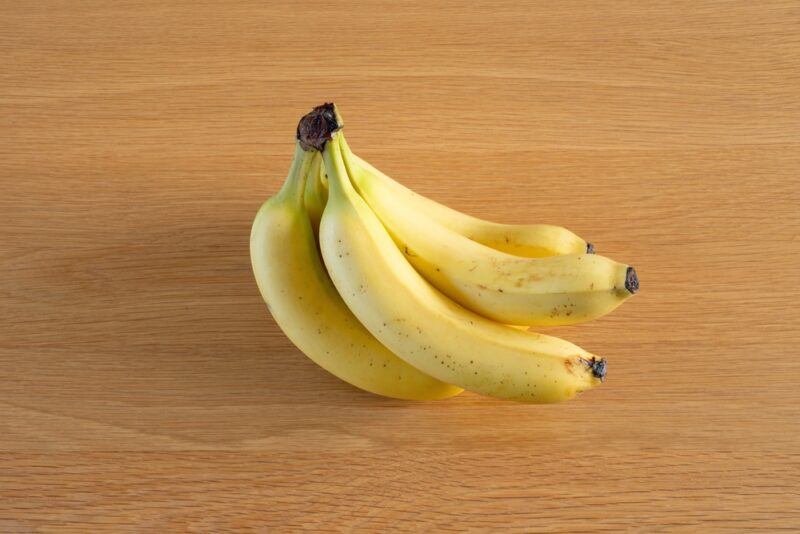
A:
x: 144, y: 387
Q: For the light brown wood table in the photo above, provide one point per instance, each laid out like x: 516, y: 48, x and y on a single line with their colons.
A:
x: 144, y: 387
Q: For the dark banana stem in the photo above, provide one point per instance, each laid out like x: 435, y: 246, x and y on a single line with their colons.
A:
x: 317, y: 127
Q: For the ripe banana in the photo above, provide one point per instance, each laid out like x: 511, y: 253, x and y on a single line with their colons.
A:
x: 420, y: 324
x: 526, y: 240
x: 306, y: 306
x: 557, y: 290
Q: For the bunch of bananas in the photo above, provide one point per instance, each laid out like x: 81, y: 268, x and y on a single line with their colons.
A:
x: 404, y: 297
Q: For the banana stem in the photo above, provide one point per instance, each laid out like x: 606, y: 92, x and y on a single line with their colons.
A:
x: 338, y: 179
x: 295, y: 184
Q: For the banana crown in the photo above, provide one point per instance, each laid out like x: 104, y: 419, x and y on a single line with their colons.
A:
x: 414, y: 299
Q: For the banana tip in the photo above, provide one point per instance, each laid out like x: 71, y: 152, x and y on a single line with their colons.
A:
x: 589, y: 248
x: 631, y: 280
x: 598, y: 367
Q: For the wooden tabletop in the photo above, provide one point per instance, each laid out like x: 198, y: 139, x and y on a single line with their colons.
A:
x: 144, y: 386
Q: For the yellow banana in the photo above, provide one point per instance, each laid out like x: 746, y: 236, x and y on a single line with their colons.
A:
x: 306, y: 306
x: 557, y: 290
x: 526, y: 240
x: 417, y: 322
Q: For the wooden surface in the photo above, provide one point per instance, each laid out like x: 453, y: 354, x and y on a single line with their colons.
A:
x: 144, y: 386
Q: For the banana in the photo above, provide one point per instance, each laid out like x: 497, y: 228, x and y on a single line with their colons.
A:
x: 526, y: 240
x: 417, y: 322
x: 306, y: 306
x: 551, y: 291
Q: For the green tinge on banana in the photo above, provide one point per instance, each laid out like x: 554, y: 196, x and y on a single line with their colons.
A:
x: 305, y: 304
x: 423, y: 326
x: 556, y: 290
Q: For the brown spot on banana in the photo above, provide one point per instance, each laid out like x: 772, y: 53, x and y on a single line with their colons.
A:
x: 408, y: 252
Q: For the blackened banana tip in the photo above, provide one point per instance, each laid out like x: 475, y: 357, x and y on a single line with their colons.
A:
x: 598, y: 367
x: 631, y: 280
x: 589, y: 248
